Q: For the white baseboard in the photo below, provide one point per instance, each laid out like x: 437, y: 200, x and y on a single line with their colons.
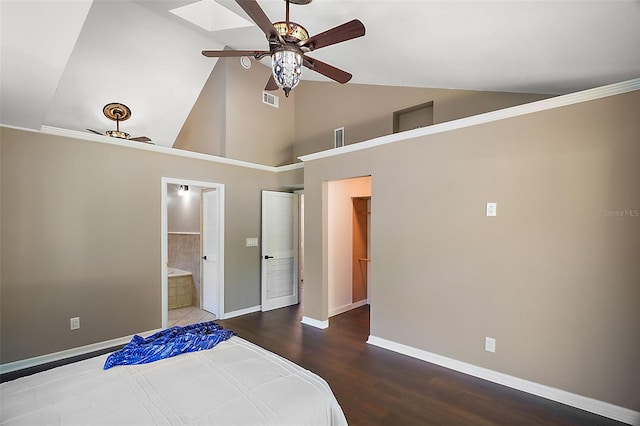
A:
x: 82, y: 350
x: 582, y: 402
x: 240, y: 312
x: 348, y: 307
x: 315, y: 323
x: 69, y: 353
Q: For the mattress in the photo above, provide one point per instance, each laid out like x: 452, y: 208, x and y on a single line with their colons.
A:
x: 234, y: 383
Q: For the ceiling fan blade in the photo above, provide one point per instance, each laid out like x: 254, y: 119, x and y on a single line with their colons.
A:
x: 255, y: 12
x: 327, y: 70
x: 344, y: 32
x: 258, y: 54
x: 140, y: 139
x: 271, y: 84
x: 96, y: 132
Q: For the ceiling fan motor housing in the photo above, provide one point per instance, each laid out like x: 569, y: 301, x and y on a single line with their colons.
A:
x: 292, y: 33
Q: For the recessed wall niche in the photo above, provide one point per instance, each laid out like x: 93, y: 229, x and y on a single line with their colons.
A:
x: 413, y: 117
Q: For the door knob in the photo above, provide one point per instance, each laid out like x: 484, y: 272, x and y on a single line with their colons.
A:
x: 266, y: 256
x: 204, y: 257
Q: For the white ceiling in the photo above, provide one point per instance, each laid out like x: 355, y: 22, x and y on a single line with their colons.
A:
x: 62, y: 61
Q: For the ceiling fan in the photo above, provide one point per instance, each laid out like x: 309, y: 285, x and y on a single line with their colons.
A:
x: 119, y: 112
x: 289, y: 44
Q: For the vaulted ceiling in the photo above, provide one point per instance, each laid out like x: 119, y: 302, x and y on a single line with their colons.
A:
x: 62, y: 61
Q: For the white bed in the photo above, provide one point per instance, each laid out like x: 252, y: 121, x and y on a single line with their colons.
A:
x: 235, y: 383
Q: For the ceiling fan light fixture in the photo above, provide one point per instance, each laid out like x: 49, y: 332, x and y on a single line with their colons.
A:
x: 118, y: 134
x: 286, y: 65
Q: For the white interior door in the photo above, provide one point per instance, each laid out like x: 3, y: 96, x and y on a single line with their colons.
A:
x: 210, y: 252
x: 279, y: 249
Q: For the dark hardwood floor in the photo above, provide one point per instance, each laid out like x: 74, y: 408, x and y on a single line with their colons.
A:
x: 375, y: 386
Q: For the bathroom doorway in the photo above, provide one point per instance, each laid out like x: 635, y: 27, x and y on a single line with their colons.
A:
x: 188, y: 216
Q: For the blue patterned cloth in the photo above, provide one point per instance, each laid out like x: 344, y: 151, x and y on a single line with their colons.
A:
x: 167, y: 343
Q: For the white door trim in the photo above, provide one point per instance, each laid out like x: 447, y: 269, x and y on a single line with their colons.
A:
x: 209, y: 297
x: 164, y: 249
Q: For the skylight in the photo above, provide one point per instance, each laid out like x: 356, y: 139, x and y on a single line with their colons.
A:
x: 211, y: 16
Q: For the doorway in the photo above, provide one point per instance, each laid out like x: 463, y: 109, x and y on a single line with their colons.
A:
x: 280, y: 267
x: 210, y: 225
x: 343, y: 263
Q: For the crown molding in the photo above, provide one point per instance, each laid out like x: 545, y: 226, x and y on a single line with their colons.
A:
x: 154, y: 148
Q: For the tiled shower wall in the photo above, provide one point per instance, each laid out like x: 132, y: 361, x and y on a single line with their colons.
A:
x: 184, y: 253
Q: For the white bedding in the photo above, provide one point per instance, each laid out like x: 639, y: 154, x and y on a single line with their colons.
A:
x: 235, y: 383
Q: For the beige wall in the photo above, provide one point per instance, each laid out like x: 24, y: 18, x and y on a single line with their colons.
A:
x: 229, y: 118
x: 80, y: 236
x: 257, y: 132
x: 366, y: 111
x: 554, y: 278
x: 183, y: 211
x: 293, y: 179
x: 205, y: 128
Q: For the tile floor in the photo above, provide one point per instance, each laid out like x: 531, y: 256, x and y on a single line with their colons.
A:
x: 188, y: 315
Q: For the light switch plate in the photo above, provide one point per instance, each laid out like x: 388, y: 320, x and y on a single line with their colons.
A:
x: 252, y: 242
x: 492, y: 209
x: 74, y: 323
x: 489, y: 344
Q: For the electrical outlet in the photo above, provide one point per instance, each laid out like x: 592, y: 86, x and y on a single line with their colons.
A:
x: 489, y: 344
x: 74, y: 323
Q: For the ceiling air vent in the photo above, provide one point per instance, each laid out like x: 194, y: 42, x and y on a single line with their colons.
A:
x: 338, y: 137
x: 270, y: 99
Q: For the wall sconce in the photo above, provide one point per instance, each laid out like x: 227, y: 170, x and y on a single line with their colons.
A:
x: 183, y: 190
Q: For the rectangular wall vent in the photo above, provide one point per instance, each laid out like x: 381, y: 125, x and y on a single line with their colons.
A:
x: 270, y: 99
x: 338, y: 137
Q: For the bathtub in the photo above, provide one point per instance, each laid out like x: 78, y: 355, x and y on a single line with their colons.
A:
x: 181, y: 288
x: 175, y: 272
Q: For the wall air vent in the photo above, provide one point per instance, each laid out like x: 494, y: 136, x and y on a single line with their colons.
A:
x: 338, y: 137
x: 270, y: 99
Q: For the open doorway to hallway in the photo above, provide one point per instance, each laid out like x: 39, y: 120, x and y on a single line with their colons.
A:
x: 348, y: 239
